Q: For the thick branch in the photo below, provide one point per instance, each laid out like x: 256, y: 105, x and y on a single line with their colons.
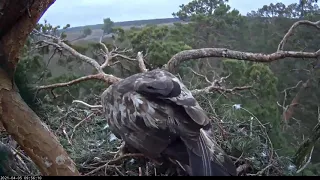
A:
x: 177, y: 59
x: 186, y: 55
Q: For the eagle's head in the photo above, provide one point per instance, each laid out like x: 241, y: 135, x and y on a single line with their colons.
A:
x: 156, y: 83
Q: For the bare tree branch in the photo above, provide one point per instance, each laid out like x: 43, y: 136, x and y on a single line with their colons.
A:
x: 124, y: 57
x: 186, y: 55
x: 142, y: 66
x: 106, y: 50
x: 110, y: 79
x: 295, y: 25
x: 219, y: 89
x: 201, y: 75
x: 57, y: 42
x: 216, y: 86
x: 108, y: 56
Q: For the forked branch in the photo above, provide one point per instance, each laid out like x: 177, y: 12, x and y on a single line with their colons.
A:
x: 57, y: 42
x: 216, y: 86
x: 107, y: 54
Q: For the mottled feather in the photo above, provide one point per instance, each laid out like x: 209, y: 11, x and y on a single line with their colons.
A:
x: 156, y: 114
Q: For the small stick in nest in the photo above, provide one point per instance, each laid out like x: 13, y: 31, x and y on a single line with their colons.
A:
x: 114, y: 161
x: 75, y: 127
x: 64, y: 130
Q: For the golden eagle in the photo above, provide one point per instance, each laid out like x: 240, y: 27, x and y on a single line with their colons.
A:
x: 154, y: 113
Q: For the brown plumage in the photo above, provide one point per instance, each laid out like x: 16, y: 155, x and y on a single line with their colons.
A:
x: 157, y: 115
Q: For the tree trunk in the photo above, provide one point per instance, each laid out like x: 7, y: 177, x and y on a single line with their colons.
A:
x: 18, y: 18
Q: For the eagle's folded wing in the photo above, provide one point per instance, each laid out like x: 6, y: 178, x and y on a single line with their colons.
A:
x: 193, y: 126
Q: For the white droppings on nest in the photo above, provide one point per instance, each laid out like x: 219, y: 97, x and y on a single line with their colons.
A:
x: 264, y: 154
x: 292, y: 167
x: 112, y: 137
x: 236, y: 106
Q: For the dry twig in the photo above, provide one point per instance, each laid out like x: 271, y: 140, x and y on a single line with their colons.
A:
x: 75, y: 127
x: 115, y: 160
x: 216, y: 86
x: 87, y: 105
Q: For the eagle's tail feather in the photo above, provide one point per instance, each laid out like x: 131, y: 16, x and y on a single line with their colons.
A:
x: 208, y: 164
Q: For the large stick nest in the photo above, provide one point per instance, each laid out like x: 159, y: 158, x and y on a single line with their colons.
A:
x: 86, y: 137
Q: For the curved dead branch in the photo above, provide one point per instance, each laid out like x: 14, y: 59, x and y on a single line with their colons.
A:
x: 294, y: 26
x: 186, y: 55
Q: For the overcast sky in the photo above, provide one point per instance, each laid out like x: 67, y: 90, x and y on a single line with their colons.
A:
x: 89, y: 12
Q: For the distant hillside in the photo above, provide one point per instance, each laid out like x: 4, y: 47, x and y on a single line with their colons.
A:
x: 75, y: 32
x: 129, y: 23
